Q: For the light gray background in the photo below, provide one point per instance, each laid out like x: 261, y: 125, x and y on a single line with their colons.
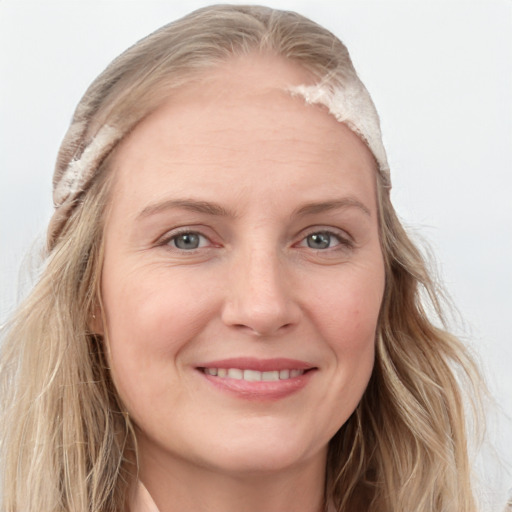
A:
x: 440, y: 73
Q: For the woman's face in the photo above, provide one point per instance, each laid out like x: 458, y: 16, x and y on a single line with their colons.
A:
x: 243, y: 274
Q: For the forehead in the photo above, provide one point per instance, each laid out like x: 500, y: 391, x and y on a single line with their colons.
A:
x: 239, y: 115
x: 250, y: 73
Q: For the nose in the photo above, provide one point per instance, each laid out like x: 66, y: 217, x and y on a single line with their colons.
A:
x: 259, y: 296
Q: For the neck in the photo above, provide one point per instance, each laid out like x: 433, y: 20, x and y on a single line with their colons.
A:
x: 178, y: 486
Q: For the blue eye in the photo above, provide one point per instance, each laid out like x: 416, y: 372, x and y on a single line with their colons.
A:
x: 322, y: 240
x: 318, y: 240
x: 188, y: 241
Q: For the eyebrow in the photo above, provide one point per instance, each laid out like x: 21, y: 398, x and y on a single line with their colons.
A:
x: 187, y: 204
x: 324, y: 206
x: 215, y: 209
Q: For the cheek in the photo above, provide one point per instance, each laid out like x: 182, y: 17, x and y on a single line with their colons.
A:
x: 348, y: 311
x: 149, y: 312
x: 349, y: 320
x: 149, y: 322
x: 352, y: 340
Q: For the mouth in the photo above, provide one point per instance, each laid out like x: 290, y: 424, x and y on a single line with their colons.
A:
x: 258, y: 379
x: 253, y: 375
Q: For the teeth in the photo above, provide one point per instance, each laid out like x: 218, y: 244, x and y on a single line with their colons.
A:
x: 270, y: 376
x: 284, y: 374
x: 235, y: 373
x: 253, y: 375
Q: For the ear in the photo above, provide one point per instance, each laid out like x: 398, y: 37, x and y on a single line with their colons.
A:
x: 96, y: 322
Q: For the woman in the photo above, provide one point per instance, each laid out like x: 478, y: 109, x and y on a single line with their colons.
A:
x: 231, y: 316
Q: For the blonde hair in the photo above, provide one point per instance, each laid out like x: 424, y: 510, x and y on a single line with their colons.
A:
x: 66, y: 443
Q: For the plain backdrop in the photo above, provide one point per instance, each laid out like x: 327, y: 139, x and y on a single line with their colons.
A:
x: 440, y: 73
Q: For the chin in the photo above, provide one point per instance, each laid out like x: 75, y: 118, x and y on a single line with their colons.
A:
x: 262, y: 454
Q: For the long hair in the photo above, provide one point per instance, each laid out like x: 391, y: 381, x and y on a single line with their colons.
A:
x: 67, y: 445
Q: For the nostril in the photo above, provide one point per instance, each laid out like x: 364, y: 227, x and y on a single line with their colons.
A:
x: 262, y: 331
x: 258, y: 313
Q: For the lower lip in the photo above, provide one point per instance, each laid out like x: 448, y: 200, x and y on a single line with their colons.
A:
x: 260, y: 390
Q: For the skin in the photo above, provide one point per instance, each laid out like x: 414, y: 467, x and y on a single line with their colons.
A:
x: 278, y: 172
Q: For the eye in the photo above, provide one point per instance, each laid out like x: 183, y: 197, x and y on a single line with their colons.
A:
x: 188, y: 241
x: 321, y: 240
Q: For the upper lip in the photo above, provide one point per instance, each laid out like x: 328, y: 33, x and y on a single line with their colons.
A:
x: 262, y: 365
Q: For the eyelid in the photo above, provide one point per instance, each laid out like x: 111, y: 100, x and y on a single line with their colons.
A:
x: 341, y: 234
x: 344, y: 237
x: 166, y: 239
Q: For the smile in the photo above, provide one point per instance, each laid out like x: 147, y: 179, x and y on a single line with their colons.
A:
x: 250, y: 378
x: 253, y: 375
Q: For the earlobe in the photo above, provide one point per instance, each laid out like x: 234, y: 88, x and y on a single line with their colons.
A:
x: 96, y: 322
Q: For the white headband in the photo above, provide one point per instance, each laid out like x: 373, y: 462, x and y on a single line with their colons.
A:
x: 80, y: 171
x: 350, y: 104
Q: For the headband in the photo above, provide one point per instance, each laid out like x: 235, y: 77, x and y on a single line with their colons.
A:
x: 350, y: 103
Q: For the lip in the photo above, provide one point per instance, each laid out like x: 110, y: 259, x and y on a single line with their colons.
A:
x: 262, y: 365
x: 259, y: 390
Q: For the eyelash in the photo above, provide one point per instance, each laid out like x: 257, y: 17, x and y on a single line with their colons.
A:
x: 344, y: 242
x: 170, y: 238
